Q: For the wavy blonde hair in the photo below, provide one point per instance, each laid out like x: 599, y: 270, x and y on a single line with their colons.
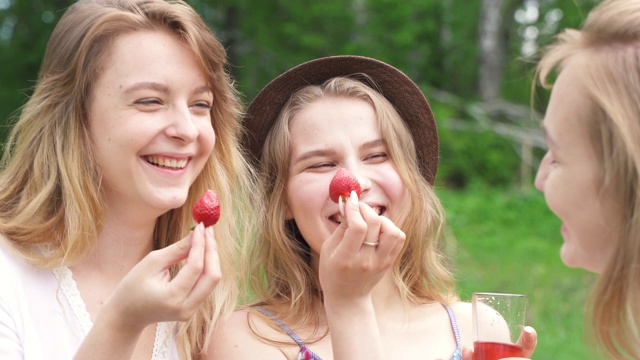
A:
x: 282, y: 276
x: 50, y: 182
x: 610, y: 41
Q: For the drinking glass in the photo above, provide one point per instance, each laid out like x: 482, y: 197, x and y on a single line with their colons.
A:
x: 498, y: 320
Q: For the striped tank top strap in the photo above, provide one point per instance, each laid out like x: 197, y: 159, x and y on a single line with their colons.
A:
x: 454, y: 326
x: 281, y: 325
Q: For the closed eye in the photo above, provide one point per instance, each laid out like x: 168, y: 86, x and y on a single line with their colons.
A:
x: 149, y: 101
x: 202, y: 107
x: 321, y: 165
x: 377, y: 157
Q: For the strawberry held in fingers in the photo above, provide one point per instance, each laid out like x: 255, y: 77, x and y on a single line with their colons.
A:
x: 207, y: 209
x: 342, y: 184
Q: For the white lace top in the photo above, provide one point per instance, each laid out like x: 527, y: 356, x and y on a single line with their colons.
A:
x: 43, y: 316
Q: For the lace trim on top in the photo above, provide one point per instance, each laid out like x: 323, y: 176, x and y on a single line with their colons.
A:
x: 162, y: 343
x: 70, y: 291
x: 69, y: 287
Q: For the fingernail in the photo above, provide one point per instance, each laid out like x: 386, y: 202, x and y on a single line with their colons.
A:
x: 354, y: 197
x: 341, y: 206
x: 528, y: 329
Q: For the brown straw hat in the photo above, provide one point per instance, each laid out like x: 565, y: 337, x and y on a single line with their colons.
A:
x: 397, y: 87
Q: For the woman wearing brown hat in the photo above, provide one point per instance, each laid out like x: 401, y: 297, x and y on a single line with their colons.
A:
x: 590, y: 175
x: 368, y: 283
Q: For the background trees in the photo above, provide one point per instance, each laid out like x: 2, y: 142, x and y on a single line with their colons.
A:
x: 473, y: 59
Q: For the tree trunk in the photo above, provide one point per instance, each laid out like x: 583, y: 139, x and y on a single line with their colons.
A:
x: 492, y: 50
x: 446, y: 34
x: 232, y: 31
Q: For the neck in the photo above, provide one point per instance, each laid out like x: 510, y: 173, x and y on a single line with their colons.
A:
x: 120, y: 245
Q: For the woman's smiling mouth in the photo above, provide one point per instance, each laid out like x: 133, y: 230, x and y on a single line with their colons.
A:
x: 166, y: 162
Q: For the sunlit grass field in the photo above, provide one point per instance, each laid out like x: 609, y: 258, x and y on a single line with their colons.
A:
x: 508, y: 241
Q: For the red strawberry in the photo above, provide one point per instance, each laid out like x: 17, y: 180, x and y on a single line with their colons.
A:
x: 342, y: 184
x: 207, y: 209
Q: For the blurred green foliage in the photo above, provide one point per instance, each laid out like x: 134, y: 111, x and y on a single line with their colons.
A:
x: 508, y: 241
x: 478, y: 156
x: 25, y: 27
x: 436, y: 42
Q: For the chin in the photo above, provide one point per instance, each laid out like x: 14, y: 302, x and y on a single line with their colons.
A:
x: 573, y: 260
x: 167, y: 200
x: 568, y: 257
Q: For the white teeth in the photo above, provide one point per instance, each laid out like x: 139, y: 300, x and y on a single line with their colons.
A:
x: 167, y: 162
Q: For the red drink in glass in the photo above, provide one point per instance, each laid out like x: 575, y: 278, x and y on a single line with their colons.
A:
x: 486, y: 350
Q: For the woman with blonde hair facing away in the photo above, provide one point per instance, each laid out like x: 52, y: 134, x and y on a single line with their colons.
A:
x: 133, y: 117
x: 366, y: 281
x: 590, y: 175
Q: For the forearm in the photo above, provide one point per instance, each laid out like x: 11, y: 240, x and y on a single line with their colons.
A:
x: 109, y: 338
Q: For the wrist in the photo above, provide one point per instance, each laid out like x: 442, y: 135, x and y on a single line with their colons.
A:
x: 113, y: 318
x: 349, y: 306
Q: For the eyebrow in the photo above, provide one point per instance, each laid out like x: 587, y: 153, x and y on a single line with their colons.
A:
x: 204, y: 89
x: 162, y: 88
x: 147, y: 85
x: 323, y: 152
x: 311, y: 154
x: 373, y: 144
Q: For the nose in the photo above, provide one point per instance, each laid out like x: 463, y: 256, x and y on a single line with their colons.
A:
x: 543, y: 172
x: 363, y: 179
x: 181, y: 125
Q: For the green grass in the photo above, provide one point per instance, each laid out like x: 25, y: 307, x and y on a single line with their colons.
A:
x: 508, y: 241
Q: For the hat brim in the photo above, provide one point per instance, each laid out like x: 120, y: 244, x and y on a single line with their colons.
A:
x: 394, y: 85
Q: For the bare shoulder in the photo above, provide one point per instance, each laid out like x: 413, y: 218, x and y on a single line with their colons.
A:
x: 236, y: 338
x: 462, y: 309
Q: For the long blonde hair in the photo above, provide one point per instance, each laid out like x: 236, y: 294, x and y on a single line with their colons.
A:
x: 50, y: 184
x: 282, y: 276
x: 610, y: 41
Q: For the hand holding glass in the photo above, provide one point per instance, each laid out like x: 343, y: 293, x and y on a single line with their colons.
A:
x: 498, y: 320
